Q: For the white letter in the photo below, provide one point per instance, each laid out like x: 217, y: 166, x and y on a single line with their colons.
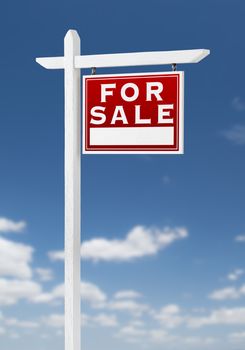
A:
x: 135, y: 94
x: 98, y: 115
x: 104, y: 91
x: 137, y: 117
x: 116, y: 116
x: 156, y: 92
x: 162, y: 113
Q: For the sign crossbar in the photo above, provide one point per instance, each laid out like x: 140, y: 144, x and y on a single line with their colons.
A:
x: 128, y: 59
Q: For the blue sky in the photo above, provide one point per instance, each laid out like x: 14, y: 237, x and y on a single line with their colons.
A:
x: 177, y: 279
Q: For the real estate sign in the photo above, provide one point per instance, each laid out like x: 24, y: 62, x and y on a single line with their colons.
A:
x: 133, y: 113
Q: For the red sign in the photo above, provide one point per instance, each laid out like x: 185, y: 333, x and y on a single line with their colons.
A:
x: 140, y: 113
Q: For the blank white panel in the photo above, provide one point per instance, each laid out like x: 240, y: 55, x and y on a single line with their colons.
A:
x: 157, y: 136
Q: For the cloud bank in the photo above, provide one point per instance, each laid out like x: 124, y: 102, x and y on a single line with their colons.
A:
x: 139, y: 242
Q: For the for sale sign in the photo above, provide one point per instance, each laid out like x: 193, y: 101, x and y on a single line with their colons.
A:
x: 139, y: 113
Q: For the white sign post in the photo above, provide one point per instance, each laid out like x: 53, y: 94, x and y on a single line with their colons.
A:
x: 72, y: 62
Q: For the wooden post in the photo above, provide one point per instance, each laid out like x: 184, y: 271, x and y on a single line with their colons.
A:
x: 72, y: 192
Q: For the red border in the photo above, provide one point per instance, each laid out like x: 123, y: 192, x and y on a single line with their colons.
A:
x: 115, y: 148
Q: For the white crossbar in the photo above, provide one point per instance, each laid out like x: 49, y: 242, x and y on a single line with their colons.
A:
x: 128, y: 59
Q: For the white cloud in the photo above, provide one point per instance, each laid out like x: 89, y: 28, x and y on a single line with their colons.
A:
x: 54, y: 320
x: 2, y: 331
x: 102, y: 320
x: 236, y: 134
x: 93, y: 294
x: 89, y: 292
x: 7, y: 225
x: 225, y: 293
x: 127, y: 294
x: 137, y: 333
x: 48, y: 297
x: 14, y: 322
x: 235, y: 275
x: 56, y: 255
x: 169, y: 316
x: 195, y: 340
x: 44, y: 274
x: 225, y: 316
x: 11, y: 291
x: 130, y: 306
x: 14, y: 335
x: 132, y: 331
x: 160, y: 336
x: 139, y: 242
x: 192, y: 340
x: 59, y: 332
x: 238, y: 104
x: 45, y: 336
x: 136, y: 322
x: 105, y: 320
x: 171, y: 309
x: 15, y: 259
x: 228, y: 293
x: 240, y: 238
x: 237, y: 336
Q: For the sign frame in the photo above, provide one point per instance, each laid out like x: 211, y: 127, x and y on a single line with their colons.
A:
x: 136, y: 149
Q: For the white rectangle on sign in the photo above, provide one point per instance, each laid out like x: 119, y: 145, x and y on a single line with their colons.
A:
x: 134, y: 113
x: 131, y: 136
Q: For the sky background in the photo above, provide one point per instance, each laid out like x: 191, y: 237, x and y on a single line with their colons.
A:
x: 173, y: 274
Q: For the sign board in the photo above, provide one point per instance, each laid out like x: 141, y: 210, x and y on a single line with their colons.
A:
x: 133, y: 113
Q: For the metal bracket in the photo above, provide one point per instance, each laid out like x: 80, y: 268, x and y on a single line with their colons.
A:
x: 174, y: 67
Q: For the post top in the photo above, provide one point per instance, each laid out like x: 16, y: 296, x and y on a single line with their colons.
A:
x: 72, y: 34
